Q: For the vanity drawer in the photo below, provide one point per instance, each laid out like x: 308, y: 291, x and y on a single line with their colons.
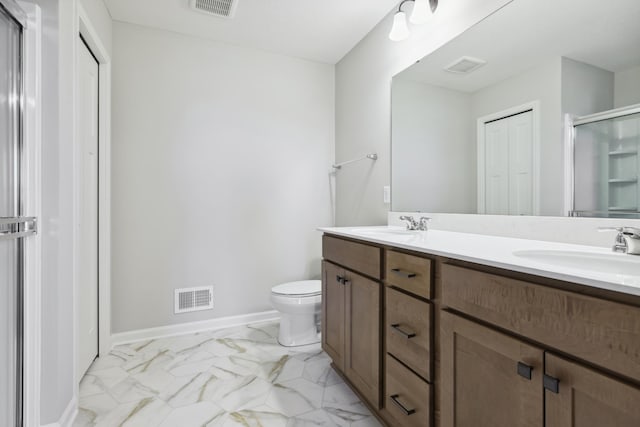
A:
x: 407, y: 398
x: 409, y: 272
x: 355, y: 256
x: 408, y: 331
x: 602, y: 332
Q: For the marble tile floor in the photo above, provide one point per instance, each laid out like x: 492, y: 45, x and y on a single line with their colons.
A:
x: 233, y: 377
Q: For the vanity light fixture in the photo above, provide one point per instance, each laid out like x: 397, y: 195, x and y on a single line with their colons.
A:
x: 421, y: 13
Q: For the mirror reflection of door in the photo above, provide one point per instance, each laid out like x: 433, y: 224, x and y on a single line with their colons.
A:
x: 508, y: 157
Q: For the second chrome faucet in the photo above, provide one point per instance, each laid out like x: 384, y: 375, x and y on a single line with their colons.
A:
x: 627, y: 240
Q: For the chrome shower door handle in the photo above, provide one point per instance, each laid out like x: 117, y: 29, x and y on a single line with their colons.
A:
x: 16, y: 227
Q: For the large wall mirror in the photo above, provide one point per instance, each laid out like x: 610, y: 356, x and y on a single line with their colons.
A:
x: 479, y: 126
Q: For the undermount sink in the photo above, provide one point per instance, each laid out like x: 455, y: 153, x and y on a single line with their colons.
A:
x: 591, y: 261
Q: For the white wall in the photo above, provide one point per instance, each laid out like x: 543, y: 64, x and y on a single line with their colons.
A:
x: 434, y: 139
x: 627, y: 87
x: 56, y: 230
x: 56, y: 224
x: 220, y: 159
x: 363, y: 103
x: 585, y: 89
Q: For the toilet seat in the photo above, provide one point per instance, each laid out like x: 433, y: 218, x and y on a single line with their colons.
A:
x: 300, y: 289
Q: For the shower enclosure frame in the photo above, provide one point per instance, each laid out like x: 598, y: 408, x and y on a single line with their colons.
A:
x: 570, y: 124
x: 27, y: 16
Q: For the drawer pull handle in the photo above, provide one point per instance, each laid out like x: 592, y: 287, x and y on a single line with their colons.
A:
x: 408, y: 335
x: 524, y: 370
x: 402, y: 273
x: 551, y: 384
x: 406, y: 411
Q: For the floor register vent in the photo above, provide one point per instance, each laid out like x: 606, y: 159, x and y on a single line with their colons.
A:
x: 220, y: 8
x: 193, y: 299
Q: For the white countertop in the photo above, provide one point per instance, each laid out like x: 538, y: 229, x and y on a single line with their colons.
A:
x: 502, y: 252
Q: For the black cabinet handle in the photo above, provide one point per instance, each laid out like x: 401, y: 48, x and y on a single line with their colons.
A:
x: 342, y: 280
x: 551, y: 384
x: 402, y: 273
x: 525, y: 370
x: 408, y: 335
x: 394, y: 399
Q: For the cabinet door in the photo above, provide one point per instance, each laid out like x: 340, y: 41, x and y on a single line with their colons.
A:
x: 362, y: 361
x: 333, y: 312
x: 587, y: 398
x: 488, y: 378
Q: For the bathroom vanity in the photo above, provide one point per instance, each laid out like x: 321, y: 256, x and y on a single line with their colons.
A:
x: 451, y: 329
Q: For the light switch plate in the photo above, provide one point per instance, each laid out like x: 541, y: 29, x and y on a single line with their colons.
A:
x: 387, y: 194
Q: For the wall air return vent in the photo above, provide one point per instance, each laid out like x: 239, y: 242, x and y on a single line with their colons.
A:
x: 219, y: 8
x: 465, y: 65
x: 193, y: 299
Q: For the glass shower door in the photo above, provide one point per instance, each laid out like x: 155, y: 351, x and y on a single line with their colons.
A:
x: 13, y: 227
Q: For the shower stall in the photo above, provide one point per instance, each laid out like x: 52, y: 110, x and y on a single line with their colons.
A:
x: 607, y: 164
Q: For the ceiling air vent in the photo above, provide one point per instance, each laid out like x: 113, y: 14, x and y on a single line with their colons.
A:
x: 220, y: 8
x: 465, y: 65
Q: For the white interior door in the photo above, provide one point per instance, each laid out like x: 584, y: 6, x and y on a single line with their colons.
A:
x: 497, y: 167
x: 508, y: 165
x: 87, y: 132
x: 521, y: 164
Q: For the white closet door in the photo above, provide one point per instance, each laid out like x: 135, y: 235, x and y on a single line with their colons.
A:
x: 88, y: 272
x: 497, y: 167
x: 521, y: 164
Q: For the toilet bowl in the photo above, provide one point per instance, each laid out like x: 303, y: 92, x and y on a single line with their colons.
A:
x: 299, y: 306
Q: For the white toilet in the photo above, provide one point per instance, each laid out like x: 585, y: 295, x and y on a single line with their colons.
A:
x: 299, y: 304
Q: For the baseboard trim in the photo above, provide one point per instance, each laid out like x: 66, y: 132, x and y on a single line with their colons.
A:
x: 68, y: 416
x: 192, y: 327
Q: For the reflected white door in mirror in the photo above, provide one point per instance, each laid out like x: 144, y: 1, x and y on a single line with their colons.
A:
x: 508, y: 166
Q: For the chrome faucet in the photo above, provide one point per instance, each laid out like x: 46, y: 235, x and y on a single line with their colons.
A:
x: 627, y: 240
x: 412, y: 224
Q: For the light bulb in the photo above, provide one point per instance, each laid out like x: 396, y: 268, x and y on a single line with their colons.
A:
x: 400, y: 29
x: 421, y: 12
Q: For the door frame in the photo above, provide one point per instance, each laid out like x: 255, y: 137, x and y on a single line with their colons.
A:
x: 31, y: 205
x: 534, y: 107
x: 83, y: 27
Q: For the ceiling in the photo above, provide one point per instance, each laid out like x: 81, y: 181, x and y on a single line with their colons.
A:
x: 321, y: 31
x: 526, y: 33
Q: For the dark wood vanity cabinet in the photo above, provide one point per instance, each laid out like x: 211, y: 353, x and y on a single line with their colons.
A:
x: 588, y: 398
x: 492, y: 379
x: 333, y: 313
x: 434, y: 341
x: 351, y: 309
x: 488, y: 378
x: 496, y: 378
